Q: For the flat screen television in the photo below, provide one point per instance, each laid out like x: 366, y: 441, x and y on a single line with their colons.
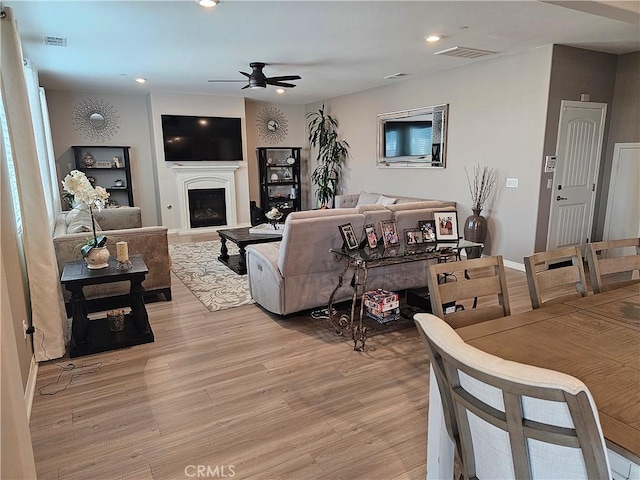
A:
x: 197, y: 138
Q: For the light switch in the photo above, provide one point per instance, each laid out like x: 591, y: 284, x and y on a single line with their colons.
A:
x: 512, y: 183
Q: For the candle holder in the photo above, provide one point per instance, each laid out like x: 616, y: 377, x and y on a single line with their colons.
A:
x: 126, y: 265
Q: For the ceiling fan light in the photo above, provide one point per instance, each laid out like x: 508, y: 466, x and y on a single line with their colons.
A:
x: 257, y: 86
x: 207, y: 3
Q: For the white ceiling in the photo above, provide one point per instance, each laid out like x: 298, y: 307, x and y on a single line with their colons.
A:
x: 337, y: 47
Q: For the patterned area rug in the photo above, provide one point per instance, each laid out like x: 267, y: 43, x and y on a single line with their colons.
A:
x: 213, y: 283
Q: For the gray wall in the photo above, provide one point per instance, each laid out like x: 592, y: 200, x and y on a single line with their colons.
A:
x: 624, y: 125
x: 573, y: 71
x: 497, y: 117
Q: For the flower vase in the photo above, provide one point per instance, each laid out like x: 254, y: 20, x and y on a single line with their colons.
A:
x: 98, y: 257
x: 475, y: 230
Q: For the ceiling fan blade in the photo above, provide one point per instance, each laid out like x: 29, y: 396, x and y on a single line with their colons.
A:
x: 220, y: 81
x: 281, y: 84
x: 284, y: 78
x: 245, y: 74
x: 246, y: 86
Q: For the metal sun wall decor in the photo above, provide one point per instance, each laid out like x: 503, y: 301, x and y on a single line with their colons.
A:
x: 272, y: 125
x: 96, y: 119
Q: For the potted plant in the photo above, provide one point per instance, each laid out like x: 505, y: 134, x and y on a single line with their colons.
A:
x: 323, y: 135
x: 77, y: 185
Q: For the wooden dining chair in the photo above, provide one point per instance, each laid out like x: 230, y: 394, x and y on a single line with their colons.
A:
x: 510, y: 420
x: 610, y: 267
x: 479, y: 280
x: 555, y: 276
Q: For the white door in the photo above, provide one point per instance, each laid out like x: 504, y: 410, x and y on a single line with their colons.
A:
x: 623, y: 202
x: 578, y: 149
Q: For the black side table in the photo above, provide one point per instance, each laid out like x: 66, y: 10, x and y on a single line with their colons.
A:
x: 94, y: 336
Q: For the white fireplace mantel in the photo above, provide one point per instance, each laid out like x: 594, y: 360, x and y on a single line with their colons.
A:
x: 198, y: 177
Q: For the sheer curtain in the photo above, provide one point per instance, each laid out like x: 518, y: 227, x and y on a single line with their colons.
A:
x: 47, y: 307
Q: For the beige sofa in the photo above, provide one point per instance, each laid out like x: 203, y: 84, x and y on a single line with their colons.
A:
x: 299, y: 273
x: 119, y: 224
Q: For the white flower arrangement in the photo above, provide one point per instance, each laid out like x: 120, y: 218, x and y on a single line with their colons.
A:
x: 77, y: 184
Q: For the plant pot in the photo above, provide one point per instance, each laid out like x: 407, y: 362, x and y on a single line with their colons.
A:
x: 97, y: 258
x: 475, y: 230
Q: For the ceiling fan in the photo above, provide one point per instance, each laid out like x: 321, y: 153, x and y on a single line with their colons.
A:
x: 257, y: 79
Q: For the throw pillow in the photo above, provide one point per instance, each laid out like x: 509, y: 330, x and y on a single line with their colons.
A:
x: 386, y: 200
x: 79, y: 221
x: 367, y: 198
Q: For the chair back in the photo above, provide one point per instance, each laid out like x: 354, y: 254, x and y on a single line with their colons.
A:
x: 510, y: 420
x: 479, y: 281
x: 555, y: 276
x: 614, y: 267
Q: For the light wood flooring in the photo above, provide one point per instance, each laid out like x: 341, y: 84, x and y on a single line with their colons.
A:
x: 243, y: 394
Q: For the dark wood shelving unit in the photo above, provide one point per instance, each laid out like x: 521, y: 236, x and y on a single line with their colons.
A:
x: 280, y: 178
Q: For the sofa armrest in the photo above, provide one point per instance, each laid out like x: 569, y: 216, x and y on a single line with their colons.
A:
x: 348, y: 200
x: 119, y: 218
x: 150, y: 242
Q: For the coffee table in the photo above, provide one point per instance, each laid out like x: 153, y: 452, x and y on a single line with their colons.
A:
x: 241, y: 237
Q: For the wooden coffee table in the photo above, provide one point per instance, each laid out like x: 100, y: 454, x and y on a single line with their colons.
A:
x: 241, y: 237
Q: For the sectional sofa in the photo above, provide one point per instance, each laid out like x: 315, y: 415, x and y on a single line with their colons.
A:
x: 300, y: 272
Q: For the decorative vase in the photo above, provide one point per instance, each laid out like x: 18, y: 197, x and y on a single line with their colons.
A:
x: 475, y: 230
x: 98, y: 257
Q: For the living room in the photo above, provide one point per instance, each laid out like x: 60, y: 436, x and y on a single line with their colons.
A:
x: 504, y: 113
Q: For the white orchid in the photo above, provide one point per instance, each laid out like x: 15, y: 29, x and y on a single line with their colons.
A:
x: 78, y: 185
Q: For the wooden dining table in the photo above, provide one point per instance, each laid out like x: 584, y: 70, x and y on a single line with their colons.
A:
x: 595, y: 338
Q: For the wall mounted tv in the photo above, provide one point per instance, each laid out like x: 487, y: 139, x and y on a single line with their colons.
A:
x: 191, y: 138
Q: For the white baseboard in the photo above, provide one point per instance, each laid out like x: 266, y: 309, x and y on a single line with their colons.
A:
x: 30, y: 390
x: 514, y: 265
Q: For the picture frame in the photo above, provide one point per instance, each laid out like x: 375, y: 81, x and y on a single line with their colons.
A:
x: 446, y: 224
x: 412, y: 236
x: 103, y: 164
x: 348, y: 236
x: 370, y: 234
x: 428, y: 228
x: 389, y: 233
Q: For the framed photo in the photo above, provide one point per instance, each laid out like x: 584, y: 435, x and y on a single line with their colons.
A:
x: 428, y: 228
x: 389, y: 233
x: 348, y: 235
x: 103, y: 164
x: 370, y: 233
x: 446, y: 226
x: 412, y: 236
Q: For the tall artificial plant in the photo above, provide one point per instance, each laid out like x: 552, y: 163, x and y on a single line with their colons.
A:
x: 323, y: 135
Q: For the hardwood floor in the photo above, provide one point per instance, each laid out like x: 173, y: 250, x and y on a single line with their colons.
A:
x: 239, y: 393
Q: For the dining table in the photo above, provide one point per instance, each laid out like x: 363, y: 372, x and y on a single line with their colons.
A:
x: 594, y: 338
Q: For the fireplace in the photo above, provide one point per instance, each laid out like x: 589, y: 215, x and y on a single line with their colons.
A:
x: 216, y: 183
x: 207, y: 207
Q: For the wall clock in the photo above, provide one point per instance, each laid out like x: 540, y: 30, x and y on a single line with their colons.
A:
x: 272, y: 125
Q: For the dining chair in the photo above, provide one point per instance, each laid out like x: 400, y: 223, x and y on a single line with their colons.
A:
x: 608, y: 271
x: 480, y: 279
x: 511, y: 420
x: 555, y: 276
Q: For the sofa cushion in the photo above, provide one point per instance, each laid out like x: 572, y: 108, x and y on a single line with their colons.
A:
x: 79, y: 221
x: 421, y: 205
x: 367, y: 198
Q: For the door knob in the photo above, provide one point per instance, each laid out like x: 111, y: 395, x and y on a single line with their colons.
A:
x: 561, y: 198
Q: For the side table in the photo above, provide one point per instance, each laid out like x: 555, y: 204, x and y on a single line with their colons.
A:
x: 94, y: 336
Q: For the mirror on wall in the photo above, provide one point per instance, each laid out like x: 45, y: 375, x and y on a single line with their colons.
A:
x: 413, y: 138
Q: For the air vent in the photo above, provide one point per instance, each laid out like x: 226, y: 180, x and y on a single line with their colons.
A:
x: 55, y: 41
x: 396, y: 75
x: 464, y: 52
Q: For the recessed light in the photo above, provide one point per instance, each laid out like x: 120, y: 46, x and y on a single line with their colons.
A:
x: 432, y: 38
x: 207, y: 3
x: 280, y: 90
x: 141, y: 80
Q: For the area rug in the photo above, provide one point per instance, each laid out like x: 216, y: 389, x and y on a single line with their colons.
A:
x: 213, y: 283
